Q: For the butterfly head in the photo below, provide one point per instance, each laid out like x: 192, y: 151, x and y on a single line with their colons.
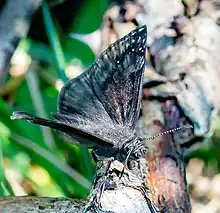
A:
x: 136, y: 147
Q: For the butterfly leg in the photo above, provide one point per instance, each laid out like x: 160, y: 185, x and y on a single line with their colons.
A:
x: 106, y: 183
x: 95, y: 205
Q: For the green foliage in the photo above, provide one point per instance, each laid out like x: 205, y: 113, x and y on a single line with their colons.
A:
x: 75, y: 49
x: 54, y: 41
x: 89, y: 17
x: 65, y: 169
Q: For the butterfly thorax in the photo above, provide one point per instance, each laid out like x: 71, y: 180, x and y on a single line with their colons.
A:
x: 133, y: 148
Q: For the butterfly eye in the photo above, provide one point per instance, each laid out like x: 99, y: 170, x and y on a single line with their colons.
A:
x: 131, y: 164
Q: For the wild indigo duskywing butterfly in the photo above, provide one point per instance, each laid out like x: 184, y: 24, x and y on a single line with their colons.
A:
x: 99, y: 109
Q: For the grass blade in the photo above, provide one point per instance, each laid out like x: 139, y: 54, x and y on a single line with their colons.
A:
x: 38, y: 104
x: 54, y: 41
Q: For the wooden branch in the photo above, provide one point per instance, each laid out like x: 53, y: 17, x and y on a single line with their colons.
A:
x: 35, y: 204
x: 110, y: 190
x: 123, y: 189
x: 166, y: 172
x: 190, y: 65
x: 15, y: 21
x: 174, y: 54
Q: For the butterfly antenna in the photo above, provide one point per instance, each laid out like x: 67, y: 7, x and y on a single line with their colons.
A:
x: 171, y: 130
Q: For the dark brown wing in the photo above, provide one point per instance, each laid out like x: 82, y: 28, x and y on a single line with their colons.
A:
x: 110, y: 90
x: 89, y: 140
x: 101, y: 106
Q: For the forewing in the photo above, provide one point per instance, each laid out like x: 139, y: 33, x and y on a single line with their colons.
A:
x: 109, y: 92
x: 70, y: 133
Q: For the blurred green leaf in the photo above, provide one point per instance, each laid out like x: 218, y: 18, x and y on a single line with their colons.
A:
x: 74, y: 48
x: 5, y: 188
x: 66, y: 183
x: 22, y: 143
x: 89, y: 16
x: 33, y: 87
x: 21, y: 161
x: 60, y: 61
x: 37, y: 50
x: 2, y: 176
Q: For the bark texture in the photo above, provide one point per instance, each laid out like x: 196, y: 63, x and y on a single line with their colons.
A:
x: 34, y: 204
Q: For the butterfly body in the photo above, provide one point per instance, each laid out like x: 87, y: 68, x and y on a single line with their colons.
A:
x: 133, y: 147
x: 99, y: 109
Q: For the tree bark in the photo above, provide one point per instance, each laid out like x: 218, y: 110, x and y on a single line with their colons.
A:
x: 166, y: 171
x: 188, y: 95
x: 44, y: 204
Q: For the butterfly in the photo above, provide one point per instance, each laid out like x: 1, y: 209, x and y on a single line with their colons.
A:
x: 100, y: 108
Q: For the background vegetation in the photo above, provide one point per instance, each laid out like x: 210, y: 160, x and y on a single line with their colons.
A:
x: 35, y: 161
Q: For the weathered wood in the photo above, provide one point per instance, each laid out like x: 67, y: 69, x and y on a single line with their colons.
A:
x: 190, y: 64
x: 117, y: 190
x: 166, y: 173
x: 36, y: 204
